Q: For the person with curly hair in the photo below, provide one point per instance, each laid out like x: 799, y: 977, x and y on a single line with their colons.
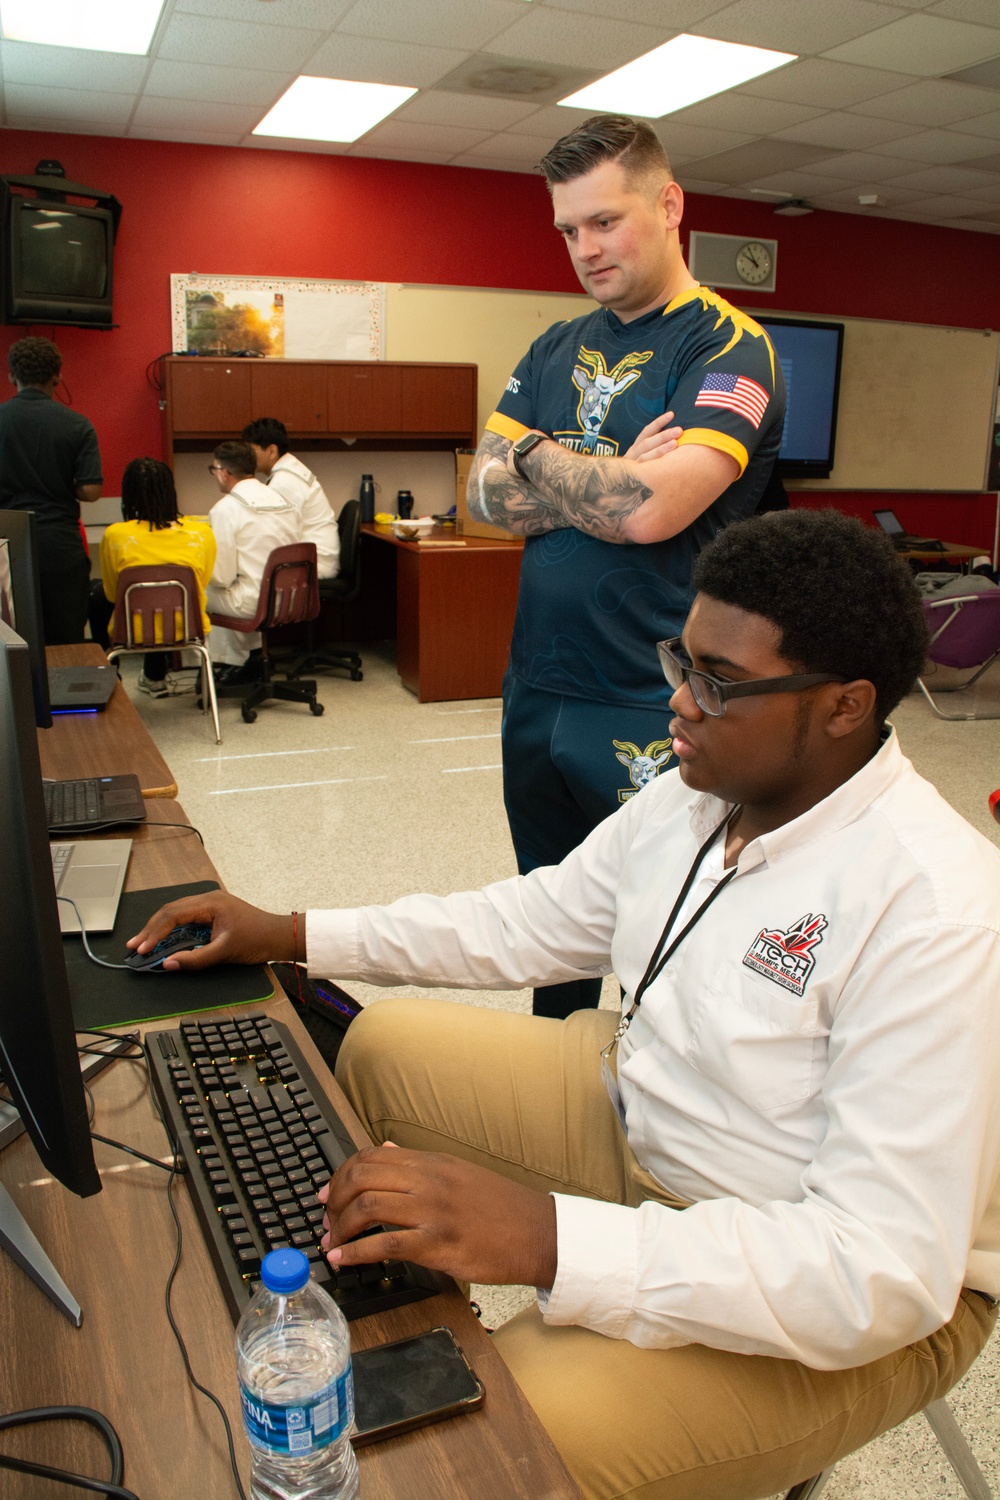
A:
x: 49, y: 464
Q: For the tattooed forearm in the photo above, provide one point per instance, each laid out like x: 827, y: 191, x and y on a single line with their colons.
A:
x: 500, y: 498
x: 596, y: 495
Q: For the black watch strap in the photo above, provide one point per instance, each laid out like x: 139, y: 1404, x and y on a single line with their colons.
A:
x: 524, y: 445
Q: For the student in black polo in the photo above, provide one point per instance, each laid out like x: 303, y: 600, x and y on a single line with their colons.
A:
x: 49, y: 463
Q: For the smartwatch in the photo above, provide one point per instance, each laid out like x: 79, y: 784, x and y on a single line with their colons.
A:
x: 524, y: 445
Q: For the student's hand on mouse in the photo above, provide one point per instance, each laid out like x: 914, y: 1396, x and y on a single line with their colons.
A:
x: 450, y: 1215
x: 241, y: 934
x: 655, y: 439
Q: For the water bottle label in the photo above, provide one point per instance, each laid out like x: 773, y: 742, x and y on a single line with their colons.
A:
x: 298, y: 1430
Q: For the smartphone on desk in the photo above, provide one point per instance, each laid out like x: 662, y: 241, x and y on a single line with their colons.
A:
x: 409, y: 1383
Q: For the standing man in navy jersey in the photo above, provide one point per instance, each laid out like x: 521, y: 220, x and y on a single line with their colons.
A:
x: 613, y: 501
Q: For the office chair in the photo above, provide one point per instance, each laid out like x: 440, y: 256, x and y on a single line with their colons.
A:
x: 164, y: 594
x: 956, y: 1450
x: 965, y: 634
x: 288, y: 596
x: 346, y: 586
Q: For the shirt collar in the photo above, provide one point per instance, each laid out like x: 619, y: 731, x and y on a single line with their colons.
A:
x: 842, y: 806
x: 32, y: 393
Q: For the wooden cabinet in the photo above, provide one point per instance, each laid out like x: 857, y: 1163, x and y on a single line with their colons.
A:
x: 375, y: 403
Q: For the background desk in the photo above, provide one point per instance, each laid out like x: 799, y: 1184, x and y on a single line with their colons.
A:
x: 115, y: 1251
x: 953, y: 553
x: 114, y: 742
x: 454, y: 609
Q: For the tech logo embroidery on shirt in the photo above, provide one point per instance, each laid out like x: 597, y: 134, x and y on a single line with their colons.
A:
x: 787, y: 957
x: 642, y: 765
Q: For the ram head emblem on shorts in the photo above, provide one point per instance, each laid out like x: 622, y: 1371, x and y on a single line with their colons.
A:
x: 642, y: 765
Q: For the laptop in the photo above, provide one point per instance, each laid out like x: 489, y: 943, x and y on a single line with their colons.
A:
x: 902, y: 540
x: 93, y: 800
x: 79, y: 688
x: 92, y: 873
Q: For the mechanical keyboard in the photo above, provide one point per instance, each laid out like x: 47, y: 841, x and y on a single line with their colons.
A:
x: 259, y: 1138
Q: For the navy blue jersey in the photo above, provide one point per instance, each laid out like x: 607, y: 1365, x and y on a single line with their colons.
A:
x: 590, y: 612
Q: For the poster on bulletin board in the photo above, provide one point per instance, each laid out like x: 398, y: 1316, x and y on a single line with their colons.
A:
x: 278, y: 317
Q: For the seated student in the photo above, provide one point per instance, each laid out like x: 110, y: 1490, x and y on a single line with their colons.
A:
x: 289, y: 477
x: 249, y: 522
x: 151, y: 532
x: 792, y: 1240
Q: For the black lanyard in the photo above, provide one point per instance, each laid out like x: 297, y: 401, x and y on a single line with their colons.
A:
x: 665, y: 947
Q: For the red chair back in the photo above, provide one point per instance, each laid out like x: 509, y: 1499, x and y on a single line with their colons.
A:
x: 164, y: 594
x: 288, y: 591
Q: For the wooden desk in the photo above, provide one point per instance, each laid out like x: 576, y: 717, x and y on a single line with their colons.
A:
x: 953, y: 552
x: 115, y: 1251
x: 454, y: 611
x: 114, y: 742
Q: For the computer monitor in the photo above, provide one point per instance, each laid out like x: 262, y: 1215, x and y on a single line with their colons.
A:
x: 24, y: 601
x: 39, y: 1062
x: 809, y: 353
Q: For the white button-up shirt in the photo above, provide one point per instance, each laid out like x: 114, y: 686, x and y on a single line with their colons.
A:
x: 299, y: 486
x: 817, y: 1068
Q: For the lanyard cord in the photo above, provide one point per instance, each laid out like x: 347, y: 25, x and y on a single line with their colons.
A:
x: 664, y: 951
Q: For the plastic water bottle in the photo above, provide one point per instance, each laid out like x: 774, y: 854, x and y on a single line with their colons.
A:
x: 294, y: 1361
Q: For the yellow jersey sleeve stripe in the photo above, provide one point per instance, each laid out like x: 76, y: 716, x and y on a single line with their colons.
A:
x: 708, y: 437
x: 506, y: 427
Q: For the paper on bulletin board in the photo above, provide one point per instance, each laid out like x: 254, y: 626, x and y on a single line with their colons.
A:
x: 278, y: 317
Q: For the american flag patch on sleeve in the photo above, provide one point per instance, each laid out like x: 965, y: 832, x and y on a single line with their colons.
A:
x: 736, y: 393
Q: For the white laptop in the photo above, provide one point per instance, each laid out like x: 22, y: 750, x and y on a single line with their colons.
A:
x: 92, y: 872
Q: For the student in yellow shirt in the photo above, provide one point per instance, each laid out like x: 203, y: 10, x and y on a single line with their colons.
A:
x: 151, y: 532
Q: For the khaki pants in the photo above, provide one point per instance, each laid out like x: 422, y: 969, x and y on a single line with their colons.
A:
x: 523, y: 1096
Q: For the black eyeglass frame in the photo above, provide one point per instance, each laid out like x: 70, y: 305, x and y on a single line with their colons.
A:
x: 680, y: 666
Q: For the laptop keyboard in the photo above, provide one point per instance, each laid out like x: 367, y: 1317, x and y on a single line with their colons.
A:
x: 61, y: 856
x: 68, y: 803
x: 259, y: 1138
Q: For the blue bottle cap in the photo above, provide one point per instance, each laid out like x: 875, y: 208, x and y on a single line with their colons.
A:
x: 284, y: 1271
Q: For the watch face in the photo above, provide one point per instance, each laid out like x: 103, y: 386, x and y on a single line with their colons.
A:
x: 753, y: 263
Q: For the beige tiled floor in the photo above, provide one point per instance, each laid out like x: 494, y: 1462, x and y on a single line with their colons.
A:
x: 382, y: 796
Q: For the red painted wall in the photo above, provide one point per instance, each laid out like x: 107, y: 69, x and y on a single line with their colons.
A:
x: 287, y: 213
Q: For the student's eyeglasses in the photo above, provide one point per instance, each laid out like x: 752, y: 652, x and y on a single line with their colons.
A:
x: 710, y: 694
x: 216, y: 468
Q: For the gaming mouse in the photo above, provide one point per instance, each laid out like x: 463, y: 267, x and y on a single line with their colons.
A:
x: 182, y: 939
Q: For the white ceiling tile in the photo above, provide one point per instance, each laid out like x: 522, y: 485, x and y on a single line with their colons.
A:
x: 672, y: 15
x: 188, y: 114
x: 445, y: 23
x: 984, y: 125
x: 983, y: 12
x: 239, y: 44
x: 319, y: 14
x: 940, y: 147
x: 189, y: 137
x: 176, y: 80
x: 791, y: 26
x: 387, y: 153
x: 404, y: 135
x: 931, y: 101
x: 545, y: 34
x: 946, y: 206
x: 827, y: 85
x: 923, y: 44
x: 71, y: 68
x: 24, y: 99
x: 692, y: 184
x: 980, y: 226
x: 893, y: 197
x: 60, y: 126
x: 440, y: 107
x: 370, y: 60
x: 987, y: 194
x: 505, y: 147
x: 849, y: 132
x: 941, y: 179
x: 759, y: 159
x: 735, y: 111
x: 282, y: 143
x: 554, y: 120
x: 799, y: 184
x: 858, y: 165
x: 698, y: 140
x: 491, y: 164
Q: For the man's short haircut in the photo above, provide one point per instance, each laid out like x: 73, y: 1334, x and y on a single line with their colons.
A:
x: 842, y: 599
x: 237, y: 457
x: 34, y: 361
x: 603, y: 138
x: 148, y: 493
x: 265, y: 431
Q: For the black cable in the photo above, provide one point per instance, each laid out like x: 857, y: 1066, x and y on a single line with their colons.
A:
x: 132, y: 1151
x: 86, y: 946
x: 112, y: 1442
x: 73, y: 828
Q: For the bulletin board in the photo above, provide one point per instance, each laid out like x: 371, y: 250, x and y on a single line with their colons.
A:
x: 278, y: 317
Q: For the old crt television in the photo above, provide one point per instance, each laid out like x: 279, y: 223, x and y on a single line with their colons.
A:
x: 57, y: 256
x: 809, y: 353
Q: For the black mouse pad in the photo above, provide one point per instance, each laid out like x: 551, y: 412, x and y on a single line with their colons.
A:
x: 122, y: 997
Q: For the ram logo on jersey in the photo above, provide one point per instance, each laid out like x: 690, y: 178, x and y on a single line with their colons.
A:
x: 642, y: 765
x: 598, y: 387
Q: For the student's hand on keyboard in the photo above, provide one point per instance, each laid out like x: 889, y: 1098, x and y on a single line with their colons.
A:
x: 241, y: 934
x: 449, y: 1215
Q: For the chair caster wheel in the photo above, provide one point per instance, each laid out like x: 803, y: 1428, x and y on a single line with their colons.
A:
x: 316, y: 709
x: 356, y: 676
x: 249, y: 715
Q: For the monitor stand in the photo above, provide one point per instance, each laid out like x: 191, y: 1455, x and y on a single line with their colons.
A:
x: 17, y: 1240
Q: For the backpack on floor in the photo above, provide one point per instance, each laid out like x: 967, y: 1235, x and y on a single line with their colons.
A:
x: 325, y: 1009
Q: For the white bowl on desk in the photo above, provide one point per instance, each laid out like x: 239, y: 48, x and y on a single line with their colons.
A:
x: 413, y: 529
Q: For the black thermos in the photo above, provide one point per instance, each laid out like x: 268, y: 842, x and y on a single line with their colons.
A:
x: 367, y: 498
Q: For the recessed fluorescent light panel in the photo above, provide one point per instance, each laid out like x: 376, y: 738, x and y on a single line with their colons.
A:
x: 331, y: 109
x: 675, y: 75
x: 93, y: 25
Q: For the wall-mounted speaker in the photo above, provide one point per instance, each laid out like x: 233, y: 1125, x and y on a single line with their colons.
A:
x: 733, y: 260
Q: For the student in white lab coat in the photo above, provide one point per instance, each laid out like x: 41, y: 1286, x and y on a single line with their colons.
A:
x: 289, y: 477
